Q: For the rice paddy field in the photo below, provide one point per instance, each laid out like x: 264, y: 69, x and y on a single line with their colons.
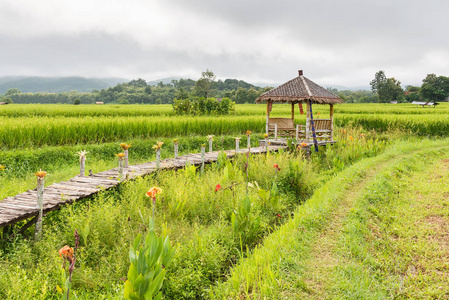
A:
x: 366, y: 218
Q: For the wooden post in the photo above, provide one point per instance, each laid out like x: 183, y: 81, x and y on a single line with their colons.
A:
x: 268, y: 115
x: 248, y: 141
x: 126, y: 158
x: 158, y: 157
x: 82, y: 165
x: 293, y: 113
x: 297, y: 133
x: 210, y: 144
x: 275, y: 131
x: 266, y: 144
x: 203, y: 150
x: 332, y: 122
x: 40, y: 206
x: 237, y: 145
x: 308, y: 124
x: 176, y: 149
x: 120, y: 168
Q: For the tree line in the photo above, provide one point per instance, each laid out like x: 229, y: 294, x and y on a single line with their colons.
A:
x: 434, y: 88
x: 137, y: 91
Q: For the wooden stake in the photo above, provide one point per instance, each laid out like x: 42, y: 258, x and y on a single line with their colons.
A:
x: 40, y: 206
x: 126, y: 158
x: 120, y: 169
x: 203, y: 150
x: 82, y: 165
x: 210, y: 145
x: 237, y: 145
x: 158, y: 157
x: 248, y: 141
x: 176, y: 150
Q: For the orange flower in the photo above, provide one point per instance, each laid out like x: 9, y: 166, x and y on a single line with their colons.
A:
x: 351, y: 138
x: 303, y: 144
x: 153, y: 192
x: 66, y: 252
x: 120, y: 156
x: 217, y: 187
x: 248, y: 132
x: 41, y: 174
x: 276, y: 166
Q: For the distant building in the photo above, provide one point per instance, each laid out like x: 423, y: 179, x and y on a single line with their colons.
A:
x: 99, y: 103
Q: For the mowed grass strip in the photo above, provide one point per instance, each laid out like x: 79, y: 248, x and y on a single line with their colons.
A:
x: 396, y: 240
x: 277, y: 269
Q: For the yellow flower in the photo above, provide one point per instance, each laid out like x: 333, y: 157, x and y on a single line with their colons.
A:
x: 158, y: 145
x: 41, y: 174
x: 210, y: 137
x: 248, y: 132
x: 304, y: 144
x: 82, y: 153
x: 125, y: 146
x: 2, y: 168
x: 120, y: 155
x: 265, y: 135
x: 175, y: 141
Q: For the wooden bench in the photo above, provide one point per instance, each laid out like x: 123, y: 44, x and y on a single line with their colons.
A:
x: 284, y: 126
x: 323, y: 128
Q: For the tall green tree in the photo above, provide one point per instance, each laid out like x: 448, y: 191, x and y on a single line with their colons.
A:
x: 204, y: 86
x: 434, y: 88
x: 387, y: 89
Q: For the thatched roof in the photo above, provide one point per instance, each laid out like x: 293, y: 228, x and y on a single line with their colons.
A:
x: 300, y: 89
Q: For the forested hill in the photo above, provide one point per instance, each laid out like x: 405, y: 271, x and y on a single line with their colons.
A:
x: 56, y: 84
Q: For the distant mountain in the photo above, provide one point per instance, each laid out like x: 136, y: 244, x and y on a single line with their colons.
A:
x: 56, y: 84
x: 164, y: 80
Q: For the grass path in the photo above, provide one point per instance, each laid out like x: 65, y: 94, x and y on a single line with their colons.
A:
x: 325, y: 252
x: 324, y: 258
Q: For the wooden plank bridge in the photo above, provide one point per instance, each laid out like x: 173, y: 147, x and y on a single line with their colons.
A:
x: 24, y: 206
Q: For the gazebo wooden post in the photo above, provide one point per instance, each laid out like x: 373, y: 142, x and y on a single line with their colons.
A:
x: 268, y: 116
x: 332, y: 121
x: 293, y: 113
x: 307, y: 123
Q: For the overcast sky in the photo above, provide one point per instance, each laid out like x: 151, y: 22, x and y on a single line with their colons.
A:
x: 335, y: 42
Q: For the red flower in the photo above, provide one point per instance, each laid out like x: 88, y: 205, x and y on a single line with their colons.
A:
x: 217, y: 187
x: 276, y: 166
x: 278, y: 215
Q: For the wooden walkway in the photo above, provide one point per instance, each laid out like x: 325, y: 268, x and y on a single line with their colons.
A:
x: 24, y: 206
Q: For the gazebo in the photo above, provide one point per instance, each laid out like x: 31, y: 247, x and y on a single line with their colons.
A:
x: 298, y: 91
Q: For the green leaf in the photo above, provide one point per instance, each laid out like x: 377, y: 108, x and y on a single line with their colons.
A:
x: 128, y: 289
x: 137, y: 242
x: 157, y: 283
x: 132, y: 273
x: 247, y: 204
